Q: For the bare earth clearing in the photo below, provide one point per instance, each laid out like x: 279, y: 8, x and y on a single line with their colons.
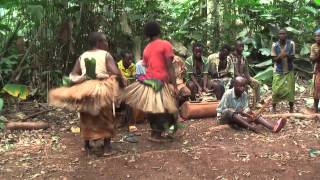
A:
x: 204, y: 152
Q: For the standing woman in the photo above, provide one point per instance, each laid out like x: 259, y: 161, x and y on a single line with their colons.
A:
x: 94, y: 93
x: 315, y: 58
x: 153, y: 93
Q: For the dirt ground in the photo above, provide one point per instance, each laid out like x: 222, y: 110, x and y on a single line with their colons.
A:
x: 204, y: 152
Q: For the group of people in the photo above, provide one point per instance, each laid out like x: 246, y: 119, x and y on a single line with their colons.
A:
x: 159, y: 83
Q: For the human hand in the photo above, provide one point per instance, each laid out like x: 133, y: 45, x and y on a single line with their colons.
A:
x: 206, y: 90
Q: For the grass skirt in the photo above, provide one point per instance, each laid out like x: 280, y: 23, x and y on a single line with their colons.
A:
x: 93, y: 99
x: 91, y: 96
x: 146, y: 99
x: 283, y: 87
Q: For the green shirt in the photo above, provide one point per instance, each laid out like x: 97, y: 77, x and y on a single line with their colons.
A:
x: 191, y: 69
x: 230, y: 101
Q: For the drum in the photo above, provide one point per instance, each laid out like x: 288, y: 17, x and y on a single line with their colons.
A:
x: 195, y: 110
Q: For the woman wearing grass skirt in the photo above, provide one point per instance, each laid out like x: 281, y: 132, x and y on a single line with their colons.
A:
x: 283, y: 84
x: 94, y: 93
x: 153, y: 93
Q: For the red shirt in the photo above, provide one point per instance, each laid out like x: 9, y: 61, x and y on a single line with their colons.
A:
x: 154, y: 56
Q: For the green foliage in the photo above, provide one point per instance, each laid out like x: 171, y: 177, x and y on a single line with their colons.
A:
x: 17, y: 90
x: 212, y: 23
x: 265, y: 76
x: 1, y: 104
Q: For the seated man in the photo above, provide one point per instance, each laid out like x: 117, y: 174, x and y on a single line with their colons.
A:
x: 219, y: 67
x: 240, y: 68
x: 127, y: 67
x: 234, y: 109
x: 197, y: 75
x: 180, y: 69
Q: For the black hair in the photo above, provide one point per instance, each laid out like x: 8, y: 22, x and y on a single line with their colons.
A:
x: 152, y: 29
x: 124, y: 52
x: 197, y: 44
x: 226, y: 46
x: 94, y: 37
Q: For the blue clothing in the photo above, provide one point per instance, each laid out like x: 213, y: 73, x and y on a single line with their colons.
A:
x: 140, y: 69
x: 286, y: 64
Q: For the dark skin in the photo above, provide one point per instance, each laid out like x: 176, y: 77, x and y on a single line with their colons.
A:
x: 197, y: 56
x: 112, y: 68
x: 241, y: 118
x: 101, y: 44
x: 223, y: 62
x: 316, y: 59
x: 239, y: 47
x: 282, y: 38
x: 127, y: 60
x: 172, y: 80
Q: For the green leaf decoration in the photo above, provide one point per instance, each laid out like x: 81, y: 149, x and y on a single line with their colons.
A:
x: 90, y: 67
x: 1, y: 104
x: 17, y: 90
x: 265, y: 76
x: 66, y: 81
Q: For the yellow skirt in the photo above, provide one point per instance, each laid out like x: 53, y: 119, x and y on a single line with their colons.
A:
x: 146, y: 99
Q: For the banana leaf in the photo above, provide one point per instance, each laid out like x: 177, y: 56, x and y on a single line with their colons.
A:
x: 264, y: 64
x: 17, y: 90
x: 265, y: 76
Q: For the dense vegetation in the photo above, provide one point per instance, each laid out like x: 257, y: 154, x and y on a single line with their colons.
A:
x: 40, y: 39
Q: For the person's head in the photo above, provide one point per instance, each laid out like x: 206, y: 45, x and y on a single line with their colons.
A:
x: 239, y: 46
x: 127, y: 58
x: 197, y: 50
x: 98, y: 40
x: 224, y: 51
x: 317, y: 36
x: 240, y: 84
x: 282, y: 35
x: 152, y: 29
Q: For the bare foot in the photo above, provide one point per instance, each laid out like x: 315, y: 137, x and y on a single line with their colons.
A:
x: 279, y: 125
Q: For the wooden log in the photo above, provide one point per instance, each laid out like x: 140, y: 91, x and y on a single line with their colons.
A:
x: 27, y: 125
x: 297, y: 115
x: 37, y: 113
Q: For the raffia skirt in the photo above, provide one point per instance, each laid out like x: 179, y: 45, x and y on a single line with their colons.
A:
x: 146, y: 99
x: 94, y: 100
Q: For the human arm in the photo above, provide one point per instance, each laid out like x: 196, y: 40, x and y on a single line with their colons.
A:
x: 314, y: 54
x: 113, y: 69
x: 111, y: 65
x: 277, y: 58
x: 76, y: 73
x: 222, y: 105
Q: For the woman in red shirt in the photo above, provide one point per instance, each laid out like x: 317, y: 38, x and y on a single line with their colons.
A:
x: 153, y: 93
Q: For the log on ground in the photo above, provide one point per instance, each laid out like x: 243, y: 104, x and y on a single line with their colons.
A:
x: 27, y: 125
